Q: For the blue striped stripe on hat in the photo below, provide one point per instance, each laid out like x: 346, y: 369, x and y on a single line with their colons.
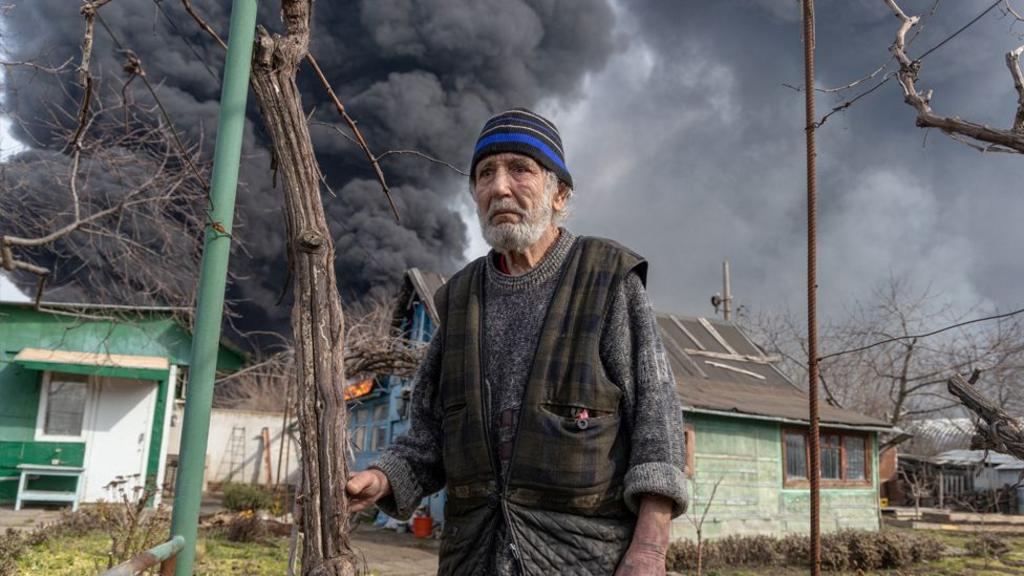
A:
x: 522, y: 131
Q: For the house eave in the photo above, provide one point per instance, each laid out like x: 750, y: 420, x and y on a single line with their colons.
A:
x: 783, y: 420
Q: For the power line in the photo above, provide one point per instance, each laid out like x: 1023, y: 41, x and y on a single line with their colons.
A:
x: 845, y: 105
x: 962, y: 28
x: 160, y: 7
x: 924, y: 335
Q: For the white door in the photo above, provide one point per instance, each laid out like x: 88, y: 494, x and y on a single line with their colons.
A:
x: 117, y: 436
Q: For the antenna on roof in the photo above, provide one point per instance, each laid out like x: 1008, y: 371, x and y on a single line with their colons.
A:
x: 724, y: 301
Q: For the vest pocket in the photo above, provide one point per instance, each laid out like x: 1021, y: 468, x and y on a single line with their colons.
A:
x: 570, y: 452
x: 466, y: 462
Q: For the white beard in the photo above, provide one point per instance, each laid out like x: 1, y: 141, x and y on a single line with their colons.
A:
x: 517, y: 236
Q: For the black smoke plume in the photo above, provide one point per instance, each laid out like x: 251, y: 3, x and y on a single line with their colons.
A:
x: 417, y: 75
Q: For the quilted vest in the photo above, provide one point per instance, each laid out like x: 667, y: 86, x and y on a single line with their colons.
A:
x: 562, y: 501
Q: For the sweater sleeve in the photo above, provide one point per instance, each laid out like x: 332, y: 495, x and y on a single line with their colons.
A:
x: 634, y: 357
x: 414, y: 462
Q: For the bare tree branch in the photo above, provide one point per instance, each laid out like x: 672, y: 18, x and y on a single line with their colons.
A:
x: 353, y: 125
x: 996, y: 139
x: 891, y: 361
x: 999, y: 431
x: 40, y: 67
x: 1013, y: 63
x: 387, y: 153
x: 203, y: 23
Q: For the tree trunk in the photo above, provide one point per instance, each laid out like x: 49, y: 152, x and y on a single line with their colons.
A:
x: 317, y: 320
x: 997, y: 430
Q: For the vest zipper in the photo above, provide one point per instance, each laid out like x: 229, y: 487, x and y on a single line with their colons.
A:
x: 500, y: 487
x: 515, y: 439
x: 485, y: 382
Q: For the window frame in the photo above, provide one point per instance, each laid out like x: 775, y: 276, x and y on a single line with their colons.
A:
x: 358, y: 438
x: 843, y: 481
x: 44, y: 397
x: 376, y: 446
x: 785, y: 459
x: 689, y: 441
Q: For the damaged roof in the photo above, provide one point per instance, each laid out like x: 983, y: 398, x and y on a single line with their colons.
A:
x: 718, y: 369
x: 422, y: 284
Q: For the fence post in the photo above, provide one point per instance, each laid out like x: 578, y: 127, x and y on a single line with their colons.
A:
x: 195, y: 426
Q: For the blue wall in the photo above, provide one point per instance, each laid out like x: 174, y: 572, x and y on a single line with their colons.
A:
x: 383, y: 414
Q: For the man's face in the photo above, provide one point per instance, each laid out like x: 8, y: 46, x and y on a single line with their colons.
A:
x: 515, y: 200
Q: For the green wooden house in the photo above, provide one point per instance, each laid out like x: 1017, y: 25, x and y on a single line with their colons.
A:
x: 747, y: 431
x: 85, y: 395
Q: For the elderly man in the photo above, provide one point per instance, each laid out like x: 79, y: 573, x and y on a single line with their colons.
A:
x: 545, y: 403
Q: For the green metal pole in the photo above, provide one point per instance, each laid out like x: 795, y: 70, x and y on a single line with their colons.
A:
x: 195, y: 426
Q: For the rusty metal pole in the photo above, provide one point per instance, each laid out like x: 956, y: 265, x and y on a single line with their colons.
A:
x: 812, y: 320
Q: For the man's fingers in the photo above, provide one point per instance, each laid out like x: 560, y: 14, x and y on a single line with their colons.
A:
x: 356, y: 484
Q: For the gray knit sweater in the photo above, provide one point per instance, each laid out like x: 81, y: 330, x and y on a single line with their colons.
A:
x: 514, y: 310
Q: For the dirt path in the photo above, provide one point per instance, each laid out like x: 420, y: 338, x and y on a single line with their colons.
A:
x: 386, y: 553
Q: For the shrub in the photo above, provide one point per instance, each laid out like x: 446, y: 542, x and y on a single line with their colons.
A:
x: 247, y: 527
x: 12, y: 546
x: 987, y: 546
x: 835, y: 551
x: 795, y: 550
x: 845, y: 550
x: 242, y: 498
x: 897, y: 550
x: 863, y: 550
x: 681, y: 555
x: 925, y: 548
x: 748, y: 550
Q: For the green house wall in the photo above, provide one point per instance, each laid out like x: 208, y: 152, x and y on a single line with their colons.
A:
x: 149, y: 334
x: 747, y: 456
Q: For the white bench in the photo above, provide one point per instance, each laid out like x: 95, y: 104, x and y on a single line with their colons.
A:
x: 48, y: 495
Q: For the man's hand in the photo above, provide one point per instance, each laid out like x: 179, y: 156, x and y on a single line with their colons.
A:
x: 641, y: 560
x: 646, y: 554
x: 365, y: 488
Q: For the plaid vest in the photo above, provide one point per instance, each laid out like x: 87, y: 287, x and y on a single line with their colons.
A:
x: 570, y: 454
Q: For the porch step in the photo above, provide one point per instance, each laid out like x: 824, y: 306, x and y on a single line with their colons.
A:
x: 972, y: 518
x: 48, y: 496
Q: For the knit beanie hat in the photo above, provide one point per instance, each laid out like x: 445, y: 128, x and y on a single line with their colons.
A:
x: 522, y: 131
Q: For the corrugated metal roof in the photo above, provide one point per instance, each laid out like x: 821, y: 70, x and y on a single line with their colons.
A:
x: 936, y: 435
x: 718, y: 368
x: 973, y: 457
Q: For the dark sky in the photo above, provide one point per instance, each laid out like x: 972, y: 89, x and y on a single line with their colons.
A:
x: 680, y: 135
x: 687, y: 147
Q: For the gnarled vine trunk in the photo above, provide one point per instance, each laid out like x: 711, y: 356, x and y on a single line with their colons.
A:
x: 317, y: 320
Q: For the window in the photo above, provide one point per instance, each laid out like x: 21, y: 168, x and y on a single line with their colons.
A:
x: 795, y: 452
x: 63, y: 404
x: 845, y: 458
x: 181, y: 383
x: 831, y: 458
x: 359, y: 438
x: 691, y: 445
x: 358, y: 425
x: 856, y: 457
x: 379, y: 439
x: 379, y: 432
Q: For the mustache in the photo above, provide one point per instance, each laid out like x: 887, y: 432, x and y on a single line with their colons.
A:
x: 505, y: 205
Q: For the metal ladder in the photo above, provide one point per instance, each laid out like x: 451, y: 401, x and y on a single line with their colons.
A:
x: 235, y: 458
